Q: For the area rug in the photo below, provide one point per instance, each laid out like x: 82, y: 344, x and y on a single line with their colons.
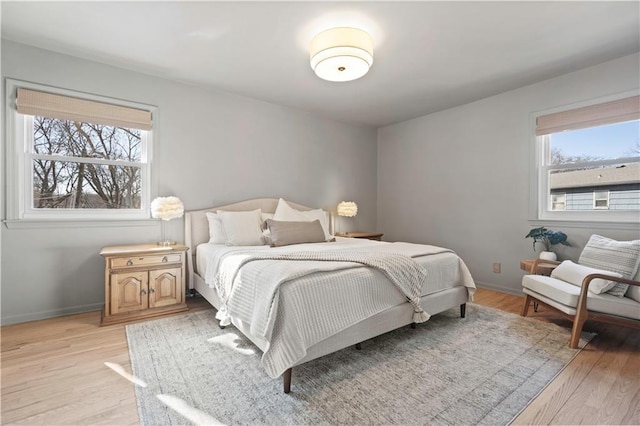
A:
x: 483, y: 369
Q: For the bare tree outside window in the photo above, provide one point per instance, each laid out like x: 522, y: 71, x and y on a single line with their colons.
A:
x: 67, y: 169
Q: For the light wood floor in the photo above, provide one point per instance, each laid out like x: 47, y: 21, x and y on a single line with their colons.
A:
x: 53, y: 373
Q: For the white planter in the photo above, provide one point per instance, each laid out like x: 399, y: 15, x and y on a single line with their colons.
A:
x: 548, y: 255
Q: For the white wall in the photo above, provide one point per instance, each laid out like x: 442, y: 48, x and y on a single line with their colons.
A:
x: 460, y: 178
x: 211, y: 148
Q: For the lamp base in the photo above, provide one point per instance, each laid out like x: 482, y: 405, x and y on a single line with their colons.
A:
x: 166, y: 243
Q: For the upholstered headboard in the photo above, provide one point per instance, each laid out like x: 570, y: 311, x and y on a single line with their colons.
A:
x: 197, y: 226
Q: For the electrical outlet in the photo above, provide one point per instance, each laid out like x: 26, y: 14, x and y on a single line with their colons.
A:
x: 496, y: 267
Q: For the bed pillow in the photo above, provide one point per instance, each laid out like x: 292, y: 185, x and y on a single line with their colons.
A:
x: 288, y: 233
x: 216, y: 230
x: 574, y: 274
x: 242, y: 228
x: 285, y: 213
x: 611, y: 255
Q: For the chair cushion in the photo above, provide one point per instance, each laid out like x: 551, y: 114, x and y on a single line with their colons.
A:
x: 613, y: 305
x: 622, y: 257
x: 554, y: 289
x: 633, y: 292
x: 567, y: 294
x: 575, y: 274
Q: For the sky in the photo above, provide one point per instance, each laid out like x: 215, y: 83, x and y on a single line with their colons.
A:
x: 610, y: 141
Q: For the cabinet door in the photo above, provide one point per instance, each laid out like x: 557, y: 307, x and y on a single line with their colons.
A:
x: 129, y: 292
x: 164, y: 287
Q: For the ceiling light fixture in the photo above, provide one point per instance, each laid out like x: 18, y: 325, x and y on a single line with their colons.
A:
x: 341, y: 54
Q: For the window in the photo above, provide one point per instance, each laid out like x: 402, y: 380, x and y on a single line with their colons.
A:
x: 601, y: 199
x: 77, y: 156
x: 588, y: 162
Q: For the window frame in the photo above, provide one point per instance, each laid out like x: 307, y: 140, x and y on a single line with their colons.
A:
x: 540, y: 199
x: 564, y: 203
x: 19, y: 157
x: 596, y: 199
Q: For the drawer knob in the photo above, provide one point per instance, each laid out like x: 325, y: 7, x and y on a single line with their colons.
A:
x: 143, y: 291
x: 165, y: 259
x: 129, y: 262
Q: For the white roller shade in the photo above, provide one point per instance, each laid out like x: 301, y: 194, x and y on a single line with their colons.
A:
x: 591, y: 116
x: 32, y: 102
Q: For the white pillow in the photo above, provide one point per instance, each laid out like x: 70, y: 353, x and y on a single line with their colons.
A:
x: 242, y: 228
x: 286, y: 213
x: 574, y: 274
x: 216, y: 230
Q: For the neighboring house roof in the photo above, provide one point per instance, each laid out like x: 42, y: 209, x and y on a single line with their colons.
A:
x: 604, y: 176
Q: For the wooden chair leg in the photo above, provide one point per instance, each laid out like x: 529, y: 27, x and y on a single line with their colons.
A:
x: 286, y: 378
x: 581, y: 311
x: 525, y: 305
x: 576, y: 330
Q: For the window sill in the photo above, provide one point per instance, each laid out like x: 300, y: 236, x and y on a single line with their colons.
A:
x: 585, y: 224
x: 77, y: 223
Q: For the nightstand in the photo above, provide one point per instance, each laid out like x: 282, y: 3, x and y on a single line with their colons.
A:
x: 142, y: 281
x: 366, y: 235
x: 543, y: 267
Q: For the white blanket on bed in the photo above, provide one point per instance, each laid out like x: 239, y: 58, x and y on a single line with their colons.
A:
x: 401, y: 270
x: 242, y: 284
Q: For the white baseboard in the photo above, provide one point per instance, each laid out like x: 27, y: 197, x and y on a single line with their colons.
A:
x: 501, y: 289
x: 34, y: 316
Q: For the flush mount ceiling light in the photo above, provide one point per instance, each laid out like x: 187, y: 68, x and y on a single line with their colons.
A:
x: 341, y: 54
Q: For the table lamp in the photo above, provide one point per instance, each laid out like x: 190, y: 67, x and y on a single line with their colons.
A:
x: 347, y: 209
x: 165, y: 209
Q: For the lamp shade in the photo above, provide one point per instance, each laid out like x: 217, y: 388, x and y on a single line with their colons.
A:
x: 167, y: 208
x: 347, y: 208
x: 341, y: 54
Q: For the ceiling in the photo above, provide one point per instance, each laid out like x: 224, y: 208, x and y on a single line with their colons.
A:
x: 428, y: 56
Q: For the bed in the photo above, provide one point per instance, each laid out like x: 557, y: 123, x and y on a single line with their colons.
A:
x: 322, y: 304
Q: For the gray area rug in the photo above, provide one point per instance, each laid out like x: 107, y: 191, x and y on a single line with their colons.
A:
x: 483, y: 369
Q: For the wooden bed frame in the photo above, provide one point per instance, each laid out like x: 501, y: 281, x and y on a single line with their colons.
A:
x: 197, y: 232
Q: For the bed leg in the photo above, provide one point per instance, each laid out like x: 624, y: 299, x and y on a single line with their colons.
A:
x: 413, y: 325
x: 358, y: 346
x: 286, y: 377
x: 463, y: 310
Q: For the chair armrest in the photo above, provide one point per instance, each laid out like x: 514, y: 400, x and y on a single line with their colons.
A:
x: 587, y: 280
x: 535, y: 268
x: 582, y: 300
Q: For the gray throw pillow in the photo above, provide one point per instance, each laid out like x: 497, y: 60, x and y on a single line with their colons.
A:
x: 287, y: 233
x: 611, y: 255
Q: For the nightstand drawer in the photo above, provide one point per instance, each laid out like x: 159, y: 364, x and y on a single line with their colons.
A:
x: 137, y: 261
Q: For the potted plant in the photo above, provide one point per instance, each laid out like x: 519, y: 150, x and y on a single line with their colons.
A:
x: 548, y: 238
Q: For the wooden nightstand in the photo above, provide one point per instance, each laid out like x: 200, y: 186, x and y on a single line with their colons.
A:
x: 544, y: 267
x: 142, y: 281
x: 367, y: 235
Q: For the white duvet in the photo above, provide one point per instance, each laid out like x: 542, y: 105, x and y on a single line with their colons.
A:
x: 319, y: 299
